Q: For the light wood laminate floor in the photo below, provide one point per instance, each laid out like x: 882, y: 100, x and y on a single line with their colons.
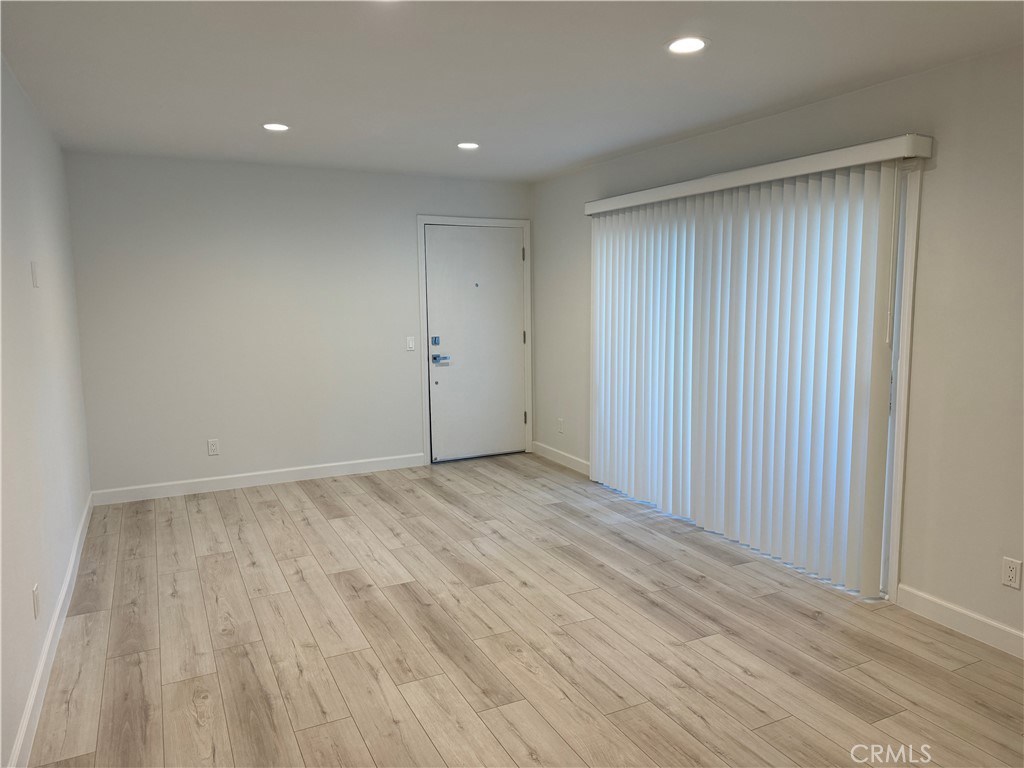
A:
x: 493, y: 612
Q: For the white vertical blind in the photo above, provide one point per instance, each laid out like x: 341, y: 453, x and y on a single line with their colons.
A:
x: 740, y: 366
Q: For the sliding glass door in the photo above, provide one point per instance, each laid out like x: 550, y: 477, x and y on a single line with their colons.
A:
x: 741, y: 367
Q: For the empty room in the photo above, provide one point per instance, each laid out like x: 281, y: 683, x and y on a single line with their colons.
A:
x: 521, y: 384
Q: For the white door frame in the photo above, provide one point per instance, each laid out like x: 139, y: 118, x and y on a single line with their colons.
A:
x: 421, y: 243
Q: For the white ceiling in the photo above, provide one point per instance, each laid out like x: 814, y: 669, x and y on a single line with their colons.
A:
x: 394, y: 86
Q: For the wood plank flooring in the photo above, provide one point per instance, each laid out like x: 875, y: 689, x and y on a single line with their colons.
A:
x: 492, y: 612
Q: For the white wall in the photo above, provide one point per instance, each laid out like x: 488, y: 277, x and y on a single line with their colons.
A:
x: 964, y: 508
x: 266, y: 306
x: 45, y: 467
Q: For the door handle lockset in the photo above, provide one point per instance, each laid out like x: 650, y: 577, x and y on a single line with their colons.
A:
x: 438, y: 359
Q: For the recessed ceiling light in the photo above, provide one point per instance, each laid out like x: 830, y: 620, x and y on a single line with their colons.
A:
x: 468, y: 145
x: 687, y: 45
x: 275, y: 126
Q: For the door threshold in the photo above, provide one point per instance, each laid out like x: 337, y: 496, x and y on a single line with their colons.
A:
x: 478, y: 456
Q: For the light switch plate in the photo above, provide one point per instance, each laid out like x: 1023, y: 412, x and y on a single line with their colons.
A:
x: 410, y: 343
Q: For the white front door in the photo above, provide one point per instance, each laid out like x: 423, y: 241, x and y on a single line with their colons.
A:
x: 476, y: 340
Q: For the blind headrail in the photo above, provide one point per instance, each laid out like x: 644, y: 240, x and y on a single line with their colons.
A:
x: 905, y: 146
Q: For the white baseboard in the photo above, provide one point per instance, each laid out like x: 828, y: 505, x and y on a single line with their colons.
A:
x: 994, y: 633
x: 227, y: 482
x: 563, y: 458
x: 22, y: 747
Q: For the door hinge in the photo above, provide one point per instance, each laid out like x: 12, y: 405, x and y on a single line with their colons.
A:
x: 524, y: 253
x: 524, y: 337
x: 524, y: 417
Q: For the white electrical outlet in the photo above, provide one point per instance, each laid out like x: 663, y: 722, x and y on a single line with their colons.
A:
x: 1011, y: 572
x: 561, y: 426
x: 35, y: 601
x: 213, y: 447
